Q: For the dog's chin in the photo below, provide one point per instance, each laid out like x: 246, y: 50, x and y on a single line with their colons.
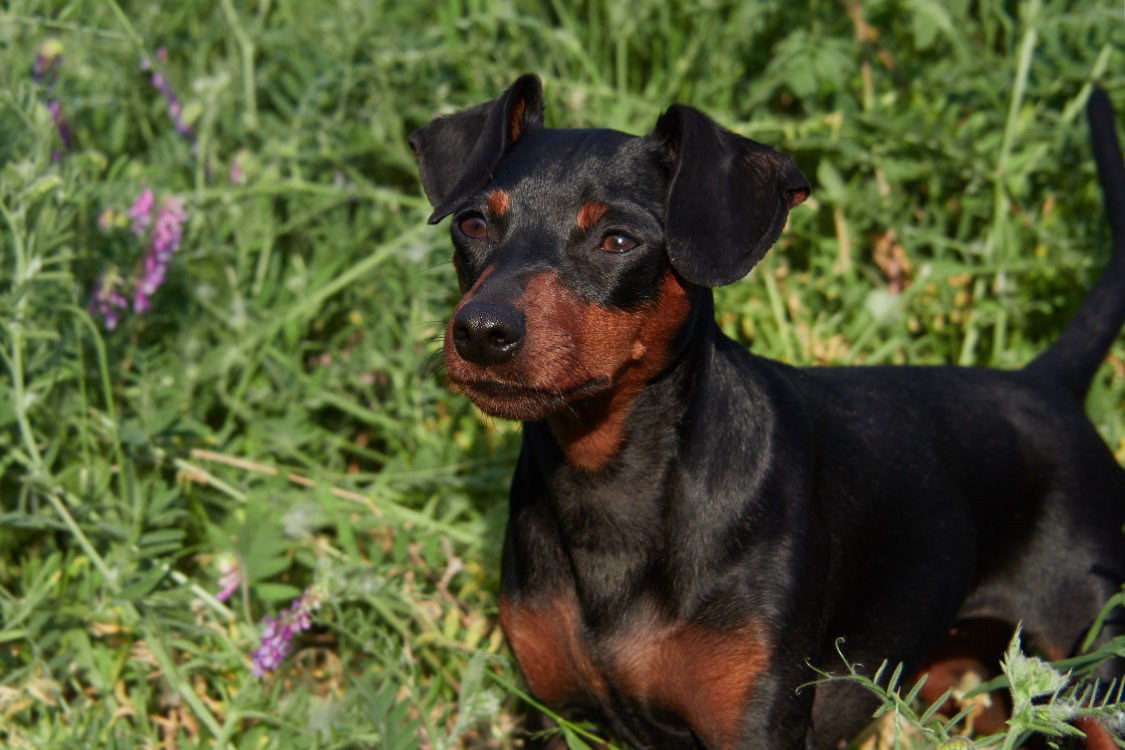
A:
x: 524, y: 404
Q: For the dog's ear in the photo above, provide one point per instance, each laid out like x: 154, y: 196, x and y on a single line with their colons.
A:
x: 728, y: 197
x: 457, y: 154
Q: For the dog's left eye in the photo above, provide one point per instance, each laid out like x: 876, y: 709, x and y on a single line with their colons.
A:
x: 618, y: 243
x: 474, y: 226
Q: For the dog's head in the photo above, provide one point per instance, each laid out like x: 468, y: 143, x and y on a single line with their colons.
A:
x: 578, y: 251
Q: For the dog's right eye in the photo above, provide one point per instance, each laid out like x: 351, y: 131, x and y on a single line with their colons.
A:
x: 474, y: 226
x: 618, y: 243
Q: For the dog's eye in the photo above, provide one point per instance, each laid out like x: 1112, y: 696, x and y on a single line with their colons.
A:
x: 474, y: 226
x: 618, y: 243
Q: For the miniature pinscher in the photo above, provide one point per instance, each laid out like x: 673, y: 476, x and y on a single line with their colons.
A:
x: 692, y: 527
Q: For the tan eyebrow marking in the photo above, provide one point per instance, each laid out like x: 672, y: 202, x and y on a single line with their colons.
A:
x: 589, y: 214
x: 498, y: 202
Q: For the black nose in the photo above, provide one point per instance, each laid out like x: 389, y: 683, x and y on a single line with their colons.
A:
x: 488, y: 334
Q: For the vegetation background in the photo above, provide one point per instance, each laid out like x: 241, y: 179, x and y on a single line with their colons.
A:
x: 277, y: 419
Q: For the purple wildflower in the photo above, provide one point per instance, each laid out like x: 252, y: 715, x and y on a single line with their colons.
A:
x: 47, y: 63
x: 275, y: 646
x: 141, y: 212
x: 241, y: 167
x: 106, y: 301
x: 277, y: 632
x: 44, y: 71
x: 45, y: 68
x: 160, y: 227
x: 167, y: 231
x: 230, y: 579
x: 59, y: 119
x: 160, y: 83
x: 170, y: 217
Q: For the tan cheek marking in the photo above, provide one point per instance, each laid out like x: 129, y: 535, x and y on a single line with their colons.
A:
x: 498, y: 202
x: 598, y: 339
x: 664, y: 322
x: 548, y: 644
x: 593, y: 432
x: 590, y: 213
x: 703, y: 676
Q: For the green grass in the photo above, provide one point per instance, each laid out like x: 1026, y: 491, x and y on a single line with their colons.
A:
x: 296, y: 329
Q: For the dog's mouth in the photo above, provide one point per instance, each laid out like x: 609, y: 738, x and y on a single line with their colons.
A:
x: 522, y: 402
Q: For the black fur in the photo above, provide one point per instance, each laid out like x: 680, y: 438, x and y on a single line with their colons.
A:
x: 691, y: 525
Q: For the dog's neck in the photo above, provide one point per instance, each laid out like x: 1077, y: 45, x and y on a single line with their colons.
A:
x: 616, y: 525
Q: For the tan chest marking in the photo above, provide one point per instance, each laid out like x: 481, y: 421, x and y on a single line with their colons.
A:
x: 551, y: 649
x: 703, y: 676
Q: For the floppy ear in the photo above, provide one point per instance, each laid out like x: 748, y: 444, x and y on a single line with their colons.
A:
x: 727, y: 200
x: 457, y: 154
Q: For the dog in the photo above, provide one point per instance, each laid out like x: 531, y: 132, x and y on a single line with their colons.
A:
x: 692, y: 527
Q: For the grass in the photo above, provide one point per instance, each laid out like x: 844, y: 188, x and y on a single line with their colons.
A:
x: 280, y: 406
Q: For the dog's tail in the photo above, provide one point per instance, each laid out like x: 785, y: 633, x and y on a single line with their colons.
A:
x: 1073, y: 359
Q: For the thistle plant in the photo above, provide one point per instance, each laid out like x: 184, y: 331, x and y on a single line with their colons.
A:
x: 1045, y: 701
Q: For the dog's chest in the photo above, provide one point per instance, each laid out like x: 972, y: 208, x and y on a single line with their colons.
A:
x: 680, y: 671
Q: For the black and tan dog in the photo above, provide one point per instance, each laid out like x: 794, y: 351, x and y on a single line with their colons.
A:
x: 691, y: 525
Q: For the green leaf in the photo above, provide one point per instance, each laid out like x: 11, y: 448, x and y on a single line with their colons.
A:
x: 140, y: 587
x: 829, y: 182
x: 573, y: 741
x: 275, y: 592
